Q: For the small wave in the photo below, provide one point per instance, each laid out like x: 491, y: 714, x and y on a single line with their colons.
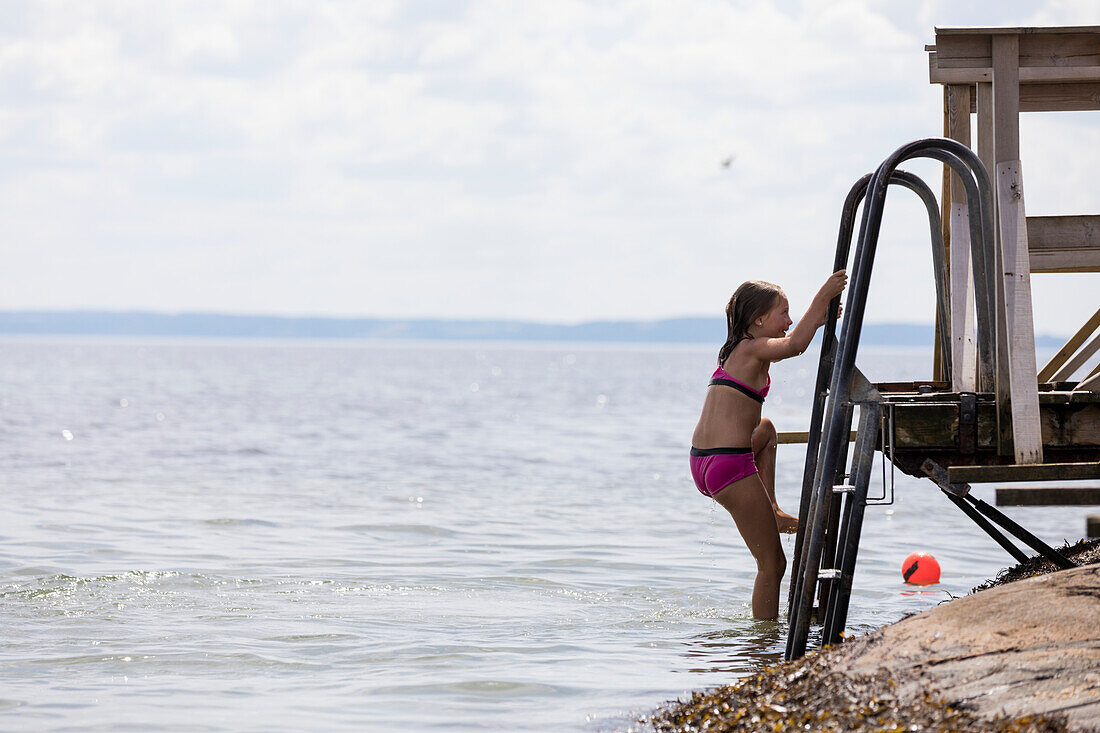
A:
x: 422, y: 529
x: 483, y: 688
x: 231, y: 522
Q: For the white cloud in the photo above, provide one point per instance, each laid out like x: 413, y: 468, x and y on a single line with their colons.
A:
x: 557, y: 160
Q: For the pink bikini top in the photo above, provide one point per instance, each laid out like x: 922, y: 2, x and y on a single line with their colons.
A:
x: 720, y: 377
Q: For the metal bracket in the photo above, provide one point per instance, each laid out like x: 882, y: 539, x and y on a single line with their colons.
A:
x: 968, y: 422
x: 862, y: 390
x: 938, y: 474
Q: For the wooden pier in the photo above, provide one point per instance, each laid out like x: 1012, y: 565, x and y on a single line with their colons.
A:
x: 987, y: 414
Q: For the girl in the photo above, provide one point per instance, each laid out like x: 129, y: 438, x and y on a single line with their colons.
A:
x: 742, y: 479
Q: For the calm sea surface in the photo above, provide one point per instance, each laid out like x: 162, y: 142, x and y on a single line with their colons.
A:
x: 232, y: 535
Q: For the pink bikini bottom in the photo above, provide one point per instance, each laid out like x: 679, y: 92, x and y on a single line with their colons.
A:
x: 716, y: 468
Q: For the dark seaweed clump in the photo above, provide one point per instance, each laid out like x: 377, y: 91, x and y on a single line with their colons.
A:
x: 1084, y: 552
x: 809, y: 694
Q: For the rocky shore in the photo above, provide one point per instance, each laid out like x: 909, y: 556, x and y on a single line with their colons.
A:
x: 1020, y: 653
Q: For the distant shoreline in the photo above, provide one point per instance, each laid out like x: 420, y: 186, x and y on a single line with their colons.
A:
x: 690, y: 330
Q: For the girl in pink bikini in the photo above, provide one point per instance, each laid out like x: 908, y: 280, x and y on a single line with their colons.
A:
x: 733, y: 448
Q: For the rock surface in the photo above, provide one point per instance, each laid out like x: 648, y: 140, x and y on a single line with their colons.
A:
x: 1021, y: 654
x: 1027, y: 648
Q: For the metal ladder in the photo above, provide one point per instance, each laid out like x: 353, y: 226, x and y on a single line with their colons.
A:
x: 832, y: 506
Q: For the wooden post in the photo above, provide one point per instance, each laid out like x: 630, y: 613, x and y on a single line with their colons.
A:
x: 963, y: 350
x: 984, y: 108
x: 1018, y: 337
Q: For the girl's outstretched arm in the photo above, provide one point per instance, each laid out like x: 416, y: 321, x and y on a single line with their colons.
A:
x: 793, y: 344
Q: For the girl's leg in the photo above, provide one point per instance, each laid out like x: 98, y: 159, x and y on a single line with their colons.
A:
x: 747, y: 502
x: 764, y: 449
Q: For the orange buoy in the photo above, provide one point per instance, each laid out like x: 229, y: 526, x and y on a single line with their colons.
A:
x: 920, y: 568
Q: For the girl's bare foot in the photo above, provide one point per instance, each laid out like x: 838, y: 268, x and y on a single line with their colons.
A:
x: 787, y: 523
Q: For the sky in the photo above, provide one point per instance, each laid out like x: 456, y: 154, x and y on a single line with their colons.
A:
x: 546, y: 160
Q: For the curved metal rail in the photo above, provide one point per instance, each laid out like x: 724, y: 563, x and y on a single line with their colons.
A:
x: 830, y: 426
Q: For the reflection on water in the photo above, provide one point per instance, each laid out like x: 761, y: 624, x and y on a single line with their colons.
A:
x: 737, y: 651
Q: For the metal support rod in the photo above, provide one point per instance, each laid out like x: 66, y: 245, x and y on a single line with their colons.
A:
x: 1023, y: 535
x: 987, y: 527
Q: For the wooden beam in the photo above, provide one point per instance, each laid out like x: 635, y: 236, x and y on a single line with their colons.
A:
x: 1028, y: 75
x: 1062, y: 97
x: 1049, y: 496
x: 1070, y: 347
x: 997, y: 30
x: 1036, y: 50
x: 1078, y: 360
x: 796, y: 437
x: 1018, y: 342
x: 1064, y: 243
x: 1023, y: 472
x: 961, y: 274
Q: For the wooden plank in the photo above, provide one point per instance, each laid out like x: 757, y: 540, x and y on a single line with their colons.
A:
x: 1070, y: 347
x: 949, y: 30
x: 1065, y: 97
x: 1064, y: 232
x: 1012, y: 225
x: 1004, y: 122
x: 1006, y: 98
x: 1064, y: 261
x: 961, y: 274
x: 1049, y: 496
x: 1064, y: 243
x: 1023, y: 472
x: 1059, y: 50
x: 1070, y: 422
x: 964, y: 51
x: 1028, y: 75
x: 984, y: 94
x: 945, y: 238
x: 1053, y: 97
x: 795, y: 437
x: 1078, y: 360
x: 1027, y: 443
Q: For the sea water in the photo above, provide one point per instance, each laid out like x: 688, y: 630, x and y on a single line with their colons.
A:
x: 245, y: 535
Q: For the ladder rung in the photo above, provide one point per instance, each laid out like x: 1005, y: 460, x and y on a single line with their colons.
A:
x: 843, y: 489
x: 828, y: 574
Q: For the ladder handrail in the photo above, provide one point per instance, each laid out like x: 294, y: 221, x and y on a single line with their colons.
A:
x: 974, y: 176
x: 828, y: 342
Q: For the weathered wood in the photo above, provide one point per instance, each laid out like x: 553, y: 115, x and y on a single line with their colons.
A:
x: 1065, y: 422
x: 1021, y: 336
x: 1023, y: 472
x: 794, y: 437
x: 921, y: 386
x: 961, y: 274
x: 945, y: 238
x: 1064, y: 243
x: 998, y: 30
x: 1049, y: 496
x: 1071, y: 346
x: 1092, y: 526
x: 1091, y: 383
x: 1028, y: 75
x: 1049, y: 50
x: 1078, y: 360
x: 1064, y: 97
x: 1006, y: 98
